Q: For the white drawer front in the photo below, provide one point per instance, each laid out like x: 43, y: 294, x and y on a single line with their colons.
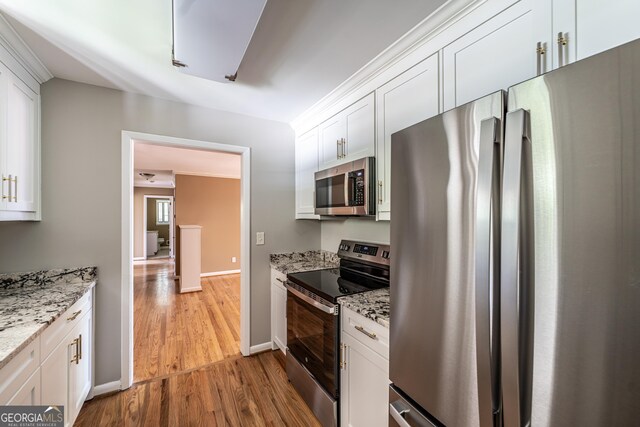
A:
x: 16, y: 373
x: 368, y: 332
x: 54, y: 334
x: 278, y: 278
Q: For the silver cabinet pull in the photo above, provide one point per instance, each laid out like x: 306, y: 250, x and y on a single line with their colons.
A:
x: 80, y: 347
x: 371, y: 335
x: 10, y: 188
x: 337, y: 148
x: 541, y: 50
x: 4, y: 179
x: 15, y: 192
x: 380, y: 192
x: 563, y: 42
x: 76, y: 356
x: 344, y: 148
x: 343, y: 362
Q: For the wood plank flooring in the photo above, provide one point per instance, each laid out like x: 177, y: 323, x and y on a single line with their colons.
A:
x: 175, y: 332
x: 242, y: 391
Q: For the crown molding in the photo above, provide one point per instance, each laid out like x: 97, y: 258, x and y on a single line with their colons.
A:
x: 22, y: 53
x: 433, y: 24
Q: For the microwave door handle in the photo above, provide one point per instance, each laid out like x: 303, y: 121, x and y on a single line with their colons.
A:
x: 347, y: 189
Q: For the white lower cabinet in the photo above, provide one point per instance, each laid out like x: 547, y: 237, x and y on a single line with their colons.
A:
x: 56, y: 368
x: 29, y: 393
x: 364, y: 372
x: 66, y: 371
x: 278, y: 311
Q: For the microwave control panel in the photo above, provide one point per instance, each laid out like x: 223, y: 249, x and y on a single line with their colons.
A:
x: 358, y: 188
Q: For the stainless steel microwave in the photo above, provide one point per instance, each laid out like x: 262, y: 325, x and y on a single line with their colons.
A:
x: 348, y: 189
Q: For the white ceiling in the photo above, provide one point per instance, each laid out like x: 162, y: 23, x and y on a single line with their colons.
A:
x: 301, y: 50
x: 165, y: 161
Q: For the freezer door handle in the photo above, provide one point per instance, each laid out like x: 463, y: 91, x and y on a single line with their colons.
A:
x: 516, y: 272
x: 398, y: 412
x: 486, y: 271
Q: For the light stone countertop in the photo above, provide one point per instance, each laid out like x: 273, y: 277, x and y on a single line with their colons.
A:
x: 29, y: 302
x: 294, y: 262
x: 373, y: 305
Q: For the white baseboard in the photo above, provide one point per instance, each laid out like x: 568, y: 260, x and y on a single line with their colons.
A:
x: 260, y: 347
x: 139, y: 258
x: 219, y: 273
x: 105, y: 388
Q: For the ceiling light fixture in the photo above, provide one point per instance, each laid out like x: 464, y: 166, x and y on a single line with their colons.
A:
x: 147, y: 175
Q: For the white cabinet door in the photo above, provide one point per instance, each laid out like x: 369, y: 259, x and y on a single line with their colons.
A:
x: 409, y: 98
x: 29, y: 393
x: 281, y: 318
x: 22, y: 148
x: 499, y: 53
x: 364, y: 382
x: 55, y: 376
x: 306, y: 167
x: 349, y: 135
x: 593, y: 26
x: 359, y: 137
x: 80, y: 371
x: 331, y: 133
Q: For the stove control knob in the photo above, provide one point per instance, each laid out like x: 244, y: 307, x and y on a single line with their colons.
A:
x: 385, y: 254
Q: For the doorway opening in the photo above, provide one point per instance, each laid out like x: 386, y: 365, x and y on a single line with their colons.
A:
x: 157, y: 216
x: 175, y: 331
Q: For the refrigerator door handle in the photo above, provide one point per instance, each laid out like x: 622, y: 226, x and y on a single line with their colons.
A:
x: 516, y: 272
x: 487, y: 285
x: 398, y: 412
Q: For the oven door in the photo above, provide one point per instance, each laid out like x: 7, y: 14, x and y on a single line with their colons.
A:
x: 312, y: 336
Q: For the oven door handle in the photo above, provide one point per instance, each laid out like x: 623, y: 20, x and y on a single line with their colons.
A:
x: 309, y: 300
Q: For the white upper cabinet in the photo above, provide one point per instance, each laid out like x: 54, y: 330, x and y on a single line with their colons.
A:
x: 19, y: 148
x: 22, y: 147
x: 586, y: 27
x: 499, y: 53
x: 349, y: 135
x: 409, y: 98
x: 306, y: 166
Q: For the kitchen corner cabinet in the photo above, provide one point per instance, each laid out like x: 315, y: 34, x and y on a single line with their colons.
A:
x: 349, y: 135
x: 499, y: 53
x: 306, y: 166
x: 19, y: 148
x: 583, y: 28
x: 409, y: 98
x: 364, y: 372
x: 278, y: 311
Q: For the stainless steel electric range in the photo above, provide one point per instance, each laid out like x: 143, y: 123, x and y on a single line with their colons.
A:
x: 313, y: 321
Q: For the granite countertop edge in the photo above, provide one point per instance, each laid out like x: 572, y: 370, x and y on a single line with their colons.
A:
x: 373, y: 305
x: 295, y: 262
x: 80, y: 290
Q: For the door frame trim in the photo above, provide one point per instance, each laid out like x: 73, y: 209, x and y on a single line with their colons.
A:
x: 128, y: 138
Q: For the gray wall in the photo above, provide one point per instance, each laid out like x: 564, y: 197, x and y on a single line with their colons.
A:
x: 81, y: 176
x: 356, y: 229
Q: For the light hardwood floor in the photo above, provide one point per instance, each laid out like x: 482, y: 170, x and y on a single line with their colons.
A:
x: 242, y: 391
x: 187, y: 365
x: 175, y: 332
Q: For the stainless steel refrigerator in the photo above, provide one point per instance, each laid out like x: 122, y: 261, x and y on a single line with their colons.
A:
x: 515, y: 280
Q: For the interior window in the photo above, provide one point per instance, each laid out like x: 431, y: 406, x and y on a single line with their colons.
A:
x: 162, y: 212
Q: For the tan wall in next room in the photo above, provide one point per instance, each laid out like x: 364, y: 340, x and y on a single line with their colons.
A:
x: 138, y: 212
x: 214, y: 204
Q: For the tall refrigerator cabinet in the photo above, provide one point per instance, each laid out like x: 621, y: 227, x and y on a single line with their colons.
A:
x: 515, y: 281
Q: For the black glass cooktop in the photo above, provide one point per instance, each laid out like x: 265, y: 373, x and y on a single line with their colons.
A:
x: 333, y: 283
